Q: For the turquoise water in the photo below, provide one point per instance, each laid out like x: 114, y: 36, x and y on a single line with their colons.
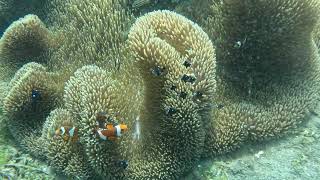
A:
x: 150, y: 89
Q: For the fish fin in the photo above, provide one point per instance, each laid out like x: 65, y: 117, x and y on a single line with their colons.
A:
x: 74, y: 139
x: 109, y: 126
x: 65, y: 138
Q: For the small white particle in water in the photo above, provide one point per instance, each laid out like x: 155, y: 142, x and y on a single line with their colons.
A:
x: 136, y: 134
x: 257, y: 155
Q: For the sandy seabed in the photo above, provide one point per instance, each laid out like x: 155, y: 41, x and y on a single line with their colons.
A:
x: 293, y: 157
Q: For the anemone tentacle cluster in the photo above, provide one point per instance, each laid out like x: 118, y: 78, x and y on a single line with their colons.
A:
x: 177, y: 62
x: 268, y: 83
x: 33, y: 93
x: 25, y: 40
x: 91, y: 68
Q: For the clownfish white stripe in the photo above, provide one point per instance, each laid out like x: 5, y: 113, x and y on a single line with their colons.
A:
x: 71, y: 131
x: 101, y: 135
x: 62, y: 130
x: 118, y: 130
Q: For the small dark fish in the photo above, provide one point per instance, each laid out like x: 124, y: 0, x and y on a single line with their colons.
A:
x: 187, y: 63
x: 123, y: 163
x: 173, y: 87
x: 220, y: 106
x: 35, y: 95
x: 158, y: 71
x: 183, y: 95
x: 35, y: 99
x: 188, y: 78
x: 198, y: 94
x: 237, y: 44
x: 170, y: 111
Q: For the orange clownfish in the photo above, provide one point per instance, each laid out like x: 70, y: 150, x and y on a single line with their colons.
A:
x: 111, y: 132
x: 67, y: 132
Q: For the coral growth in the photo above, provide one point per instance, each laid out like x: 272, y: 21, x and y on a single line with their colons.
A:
x: 180, y: 97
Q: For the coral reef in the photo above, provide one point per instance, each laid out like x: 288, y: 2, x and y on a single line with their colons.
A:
x: 180, y: 97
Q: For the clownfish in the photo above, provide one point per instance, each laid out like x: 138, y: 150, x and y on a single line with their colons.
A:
x: 111, y: 132
x: 67, y: 133
x: 123, y: 163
